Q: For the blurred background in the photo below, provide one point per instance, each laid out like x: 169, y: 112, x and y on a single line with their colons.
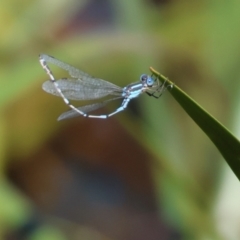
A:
x: 146, y: 173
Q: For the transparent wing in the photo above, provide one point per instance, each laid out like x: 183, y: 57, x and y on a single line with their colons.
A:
x: 76, y: 73
x: 75, y: 89
x: 85, y: 109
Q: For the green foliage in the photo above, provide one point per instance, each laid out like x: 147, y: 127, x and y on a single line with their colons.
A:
x: 195, y: 43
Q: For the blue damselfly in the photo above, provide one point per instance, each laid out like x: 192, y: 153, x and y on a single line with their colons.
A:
x: 82, y: 86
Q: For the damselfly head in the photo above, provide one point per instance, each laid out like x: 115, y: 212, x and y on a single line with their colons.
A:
x: 147, y: 79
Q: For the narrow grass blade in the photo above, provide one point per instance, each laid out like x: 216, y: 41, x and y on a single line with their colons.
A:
x: 227, y: 144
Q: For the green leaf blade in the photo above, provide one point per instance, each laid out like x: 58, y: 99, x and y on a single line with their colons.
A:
x: 227, y: 144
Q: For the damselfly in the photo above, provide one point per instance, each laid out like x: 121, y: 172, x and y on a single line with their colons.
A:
x: 82, y: 86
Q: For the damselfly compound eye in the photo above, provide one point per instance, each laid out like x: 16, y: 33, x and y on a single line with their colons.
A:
x: 143, y: 77
x: 150, y: 81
